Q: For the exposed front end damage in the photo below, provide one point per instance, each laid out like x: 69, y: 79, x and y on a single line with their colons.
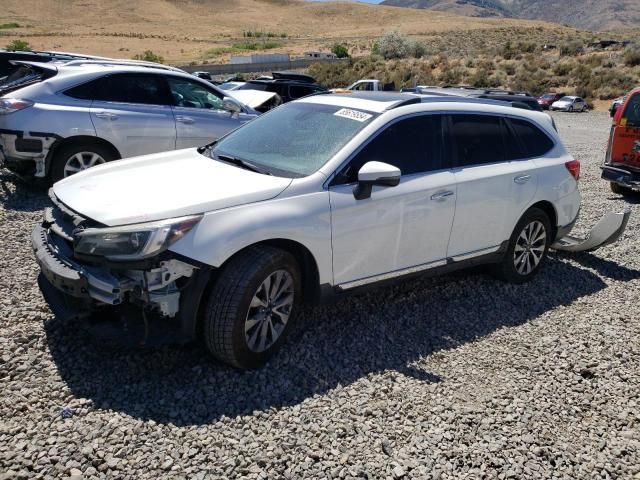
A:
x: 164, y: 288
x: 26, y: 152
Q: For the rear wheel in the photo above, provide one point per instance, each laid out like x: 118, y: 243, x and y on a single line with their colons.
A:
x: 620, y: 190
x: 252, y: 306
x: 527, y: 248
x: 72, y: 159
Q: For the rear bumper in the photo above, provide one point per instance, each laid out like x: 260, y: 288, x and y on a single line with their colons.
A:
x: 26, y: 152
x: 622, y: 176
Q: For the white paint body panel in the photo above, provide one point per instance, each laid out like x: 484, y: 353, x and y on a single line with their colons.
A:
x: 161, y: 186
x: 398, y: 227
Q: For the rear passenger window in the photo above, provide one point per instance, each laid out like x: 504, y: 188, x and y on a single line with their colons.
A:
x: 146, y: 89
x: 413, y: 145
x: 534, y: 142
x: 478, y: 139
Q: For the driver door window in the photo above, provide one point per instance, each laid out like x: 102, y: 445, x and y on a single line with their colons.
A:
x: 193, y: 95
x: 200, y: 117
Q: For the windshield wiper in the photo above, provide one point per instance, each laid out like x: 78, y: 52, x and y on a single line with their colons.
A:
x: 242, y: 163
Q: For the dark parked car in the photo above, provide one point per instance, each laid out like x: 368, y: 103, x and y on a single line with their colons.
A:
x: 547, y: 99
x: 289, y: 86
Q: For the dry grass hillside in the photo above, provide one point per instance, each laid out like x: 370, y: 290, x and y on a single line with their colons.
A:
x: 197, y: 30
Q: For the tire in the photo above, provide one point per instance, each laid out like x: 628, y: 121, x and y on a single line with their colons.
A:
x: 78, y: 157
x: 514, y: 267
x: 229, y: 332
x: 620, y: 190
x: 570, y: 109
x: 584, y: 109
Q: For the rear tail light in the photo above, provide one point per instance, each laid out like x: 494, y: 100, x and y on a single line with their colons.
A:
x: 574, y: 168
x: 10, y: 105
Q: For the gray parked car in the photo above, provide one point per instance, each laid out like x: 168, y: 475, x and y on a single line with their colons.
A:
x: 82, y: 114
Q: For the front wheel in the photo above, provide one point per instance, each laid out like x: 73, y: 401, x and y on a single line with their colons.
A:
x: 252, y: 306
x: 527, y: 248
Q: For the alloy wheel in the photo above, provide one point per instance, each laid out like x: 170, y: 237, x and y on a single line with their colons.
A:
x: 530, y: 247
x: 81, y: 161
x: 269, y: 311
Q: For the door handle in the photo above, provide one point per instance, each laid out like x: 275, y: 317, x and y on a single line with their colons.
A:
x: 107, y: 115
x: 185, y: 120
x: 522, y: 179
x: 441, y: 195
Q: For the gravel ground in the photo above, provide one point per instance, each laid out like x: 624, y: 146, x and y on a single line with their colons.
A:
x: 454, y: 377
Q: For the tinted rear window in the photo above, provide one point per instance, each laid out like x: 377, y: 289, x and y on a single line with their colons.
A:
x: 534, y: 142
x: 134, y: 88
x: 478, y: 139
x: 84, y: 91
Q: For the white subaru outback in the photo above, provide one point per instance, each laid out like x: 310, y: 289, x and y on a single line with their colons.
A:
x: 321, y: 196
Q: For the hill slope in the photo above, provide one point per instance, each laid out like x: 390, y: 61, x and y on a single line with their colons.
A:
x: 590, y: 14
x: 190, y: 30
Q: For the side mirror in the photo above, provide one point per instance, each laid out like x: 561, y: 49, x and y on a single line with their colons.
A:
x: 232, y: 106
x: 375, y: 173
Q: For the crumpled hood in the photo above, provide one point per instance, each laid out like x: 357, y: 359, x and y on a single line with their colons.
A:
x: 161, y: 186
x: 252, y: 98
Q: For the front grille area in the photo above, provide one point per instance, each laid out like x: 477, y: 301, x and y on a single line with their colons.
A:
x: 62, y: 221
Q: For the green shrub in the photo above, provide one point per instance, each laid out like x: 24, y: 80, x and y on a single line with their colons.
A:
x: 149, y: 56
x: 256, y: 45
x: 340, y: 50
x: 632, y: 57
x: 18, y: 45
x: 4, y: 26
x: 395, y: 45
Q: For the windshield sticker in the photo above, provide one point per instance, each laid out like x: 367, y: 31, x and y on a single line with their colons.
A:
x: 353, y: 115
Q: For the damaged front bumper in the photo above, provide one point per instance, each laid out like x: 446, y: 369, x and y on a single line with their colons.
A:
x: 166, y: 288
x: 607, y: 231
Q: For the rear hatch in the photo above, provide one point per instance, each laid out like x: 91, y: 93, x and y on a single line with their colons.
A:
x: 26, y: 73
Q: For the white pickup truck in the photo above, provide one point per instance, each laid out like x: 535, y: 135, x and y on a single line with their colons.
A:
x: 370, y: 85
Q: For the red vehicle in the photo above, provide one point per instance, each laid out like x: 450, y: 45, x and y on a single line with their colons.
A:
x: 547, y: 99
x: 622, y: 163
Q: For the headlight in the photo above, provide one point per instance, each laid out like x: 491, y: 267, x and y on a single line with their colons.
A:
x: 133, y: 242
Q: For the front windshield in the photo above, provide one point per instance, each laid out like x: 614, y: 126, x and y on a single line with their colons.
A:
x: 566, y: 99
x: 549, y: 96
x: 293, y: 140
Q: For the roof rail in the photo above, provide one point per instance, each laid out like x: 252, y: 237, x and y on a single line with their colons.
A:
x: 131, y: 63
x: 499, y: 91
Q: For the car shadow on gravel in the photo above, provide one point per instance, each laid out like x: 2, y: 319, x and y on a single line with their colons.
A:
x: 16, y: 194
x: 397, y: 328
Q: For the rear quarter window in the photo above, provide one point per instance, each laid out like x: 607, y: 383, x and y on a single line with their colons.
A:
x: 84, y: 91
x: 533, y: 141
x: 632, y: 111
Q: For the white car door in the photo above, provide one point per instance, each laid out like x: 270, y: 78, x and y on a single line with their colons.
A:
x: 133, y: 112
x: 199, y: 113
x: 493, y: 187
x: 401, y: 228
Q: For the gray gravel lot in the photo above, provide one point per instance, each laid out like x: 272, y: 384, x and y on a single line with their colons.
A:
x: 454, y: 377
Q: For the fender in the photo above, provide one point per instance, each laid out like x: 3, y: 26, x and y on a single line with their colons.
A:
x: 304, y: 219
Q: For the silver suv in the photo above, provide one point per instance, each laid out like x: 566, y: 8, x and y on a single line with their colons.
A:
x: 80, y: 115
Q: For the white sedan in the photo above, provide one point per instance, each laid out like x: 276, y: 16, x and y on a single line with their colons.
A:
x: 570, y: 104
